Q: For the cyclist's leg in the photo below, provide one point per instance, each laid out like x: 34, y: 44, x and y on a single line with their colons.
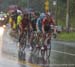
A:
x: 21, y: 34
x: 38, y: 38
x: 31, y: 38
x: 49, y: 38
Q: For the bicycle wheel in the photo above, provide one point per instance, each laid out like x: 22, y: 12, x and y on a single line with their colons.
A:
x: 34, y: 42
x: 42, y: 53
x: 48, y: 51
x: 21, y: 54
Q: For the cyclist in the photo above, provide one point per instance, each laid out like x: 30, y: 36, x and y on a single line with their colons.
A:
x: 39, y: 22
x: 19, y: 19
x: 39, y: 27
x: 25, y: 25
x: 34, y: 19
x: 14, y: 18
x: 46, y: 27
x: 33, y: 23
x: 10, y: 22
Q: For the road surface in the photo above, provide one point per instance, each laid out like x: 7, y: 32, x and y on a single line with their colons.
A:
x: 62, y: 54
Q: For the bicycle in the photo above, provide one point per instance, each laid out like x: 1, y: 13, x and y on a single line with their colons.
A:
x: 34, y: 40
x: 22, y: 45
x: 44, y: 48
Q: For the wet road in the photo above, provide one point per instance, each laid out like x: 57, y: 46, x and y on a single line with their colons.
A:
x: 62, y: 54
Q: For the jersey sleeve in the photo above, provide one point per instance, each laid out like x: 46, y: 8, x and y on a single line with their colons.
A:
x: 38, y: 20
x: 44, y: 21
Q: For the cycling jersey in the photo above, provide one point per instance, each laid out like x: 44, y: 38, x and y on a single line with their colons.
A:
x: 19, y: 18
x: 33, y: 23
x: 14, y: 18
x: 11, y: 22
x: 46, y: 23
x: 25, y: 23
x: 39, y: 24
x: 50, y: 21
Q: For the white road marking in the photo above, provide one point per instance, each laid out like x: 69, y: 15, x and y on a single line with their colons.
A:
x: 63, y: 52
x: 58, y: 65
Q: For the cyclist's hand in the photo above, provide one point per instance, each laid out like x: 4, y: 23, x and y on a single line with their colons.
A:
x: 38, y: 31
x: 31, y: 30
x: 55, y: 29
x: 25, y: 28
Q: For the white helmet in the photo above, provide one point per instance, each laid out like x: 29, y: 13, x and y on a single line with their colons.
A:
x: 19, y: 11
x: 42, y: 15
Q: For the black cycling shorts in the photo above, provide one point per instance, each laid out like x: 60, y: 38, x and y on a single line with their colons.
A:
x: 47, y: 29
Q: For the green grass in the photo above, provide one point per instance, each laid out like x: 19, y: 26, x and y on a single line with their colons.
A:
x: 63, y: 22
x: 66, y: 36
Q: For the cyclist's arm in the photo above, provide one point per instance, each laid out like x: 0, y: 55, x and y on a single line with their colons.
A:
x: 31, y: 28
x: 43, y: 24
x: 19, y: 18
x: 20, y: 26
x: 37, y: 27
x: 54, y: 24
x: 43, y: 29
x: 37, y: 24
x: 53, y: 21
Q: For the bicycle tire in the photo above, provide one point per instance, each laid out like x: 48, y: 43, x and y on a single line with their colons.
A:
x: 42, y: 53
x: 21, y: 55
x: 48, y: 51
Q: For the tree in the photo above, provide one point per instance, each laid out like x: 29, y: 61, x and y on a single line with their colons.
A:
x: 68, y: 16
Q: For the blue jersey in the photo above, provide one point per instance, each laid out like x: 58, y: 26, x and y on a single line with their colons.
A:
x: 39, y: 23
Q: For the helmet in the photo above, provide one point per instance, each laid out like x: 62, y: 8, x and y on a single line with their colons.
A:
x: 19, y: 11
x: 48, y: 13
x: 42, y: 15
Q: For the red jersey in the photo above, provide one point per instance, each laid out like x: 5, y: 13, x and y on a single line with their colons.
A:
x: 45, y: 21
x: 25, y: 23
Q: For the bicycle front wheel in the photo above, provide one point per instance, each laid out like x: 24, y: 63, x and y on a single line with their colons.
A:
x: 48, y: 51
